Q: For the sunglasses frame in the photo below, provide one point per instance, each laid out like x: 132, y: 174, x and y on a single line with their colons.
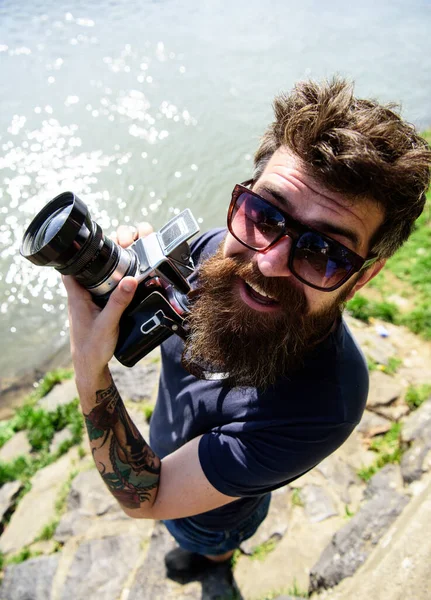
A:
x: 295, y: 229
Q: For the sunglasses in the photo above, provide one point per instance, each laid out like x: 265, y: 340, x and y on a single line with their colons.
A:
x: 315, y: 259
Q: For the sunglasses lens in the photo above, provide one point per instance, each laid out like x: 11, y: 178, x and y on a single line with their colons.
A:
x: 255, y: 222
x: 319, y: 261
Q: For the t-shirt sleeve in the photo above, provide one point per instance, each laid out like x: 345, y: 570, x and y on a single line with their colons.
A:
x: 257, y: 462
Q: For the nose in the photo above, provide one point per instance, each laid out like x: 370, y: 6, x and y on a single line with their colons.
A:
x: 274, y: 261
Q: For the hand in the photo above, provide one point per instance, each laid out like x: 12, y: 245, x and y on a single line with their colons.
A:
x: 93, y: 331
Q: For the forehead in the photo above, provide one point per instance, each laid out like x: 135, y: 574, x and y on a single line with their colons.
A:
x: 311, y: 203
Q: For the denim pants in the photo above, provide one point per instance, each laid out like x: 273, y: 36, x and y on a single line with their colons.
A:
x: 194, y: 538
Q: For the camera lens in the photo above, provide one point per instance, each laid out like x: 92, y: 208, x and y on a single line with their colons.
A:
x: 63, y: 236
x: 51, y: 227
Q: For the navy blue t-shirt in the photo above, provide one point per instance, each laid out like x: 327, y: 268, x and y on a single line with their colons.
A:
x: 255, y: 441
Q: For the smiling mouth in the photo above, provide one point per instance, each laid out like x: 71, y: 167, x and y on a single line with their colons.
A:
x: 256, y: 298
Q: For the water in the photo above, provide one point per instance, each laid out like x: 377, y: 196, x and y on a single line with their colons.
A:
x: 143, y: 108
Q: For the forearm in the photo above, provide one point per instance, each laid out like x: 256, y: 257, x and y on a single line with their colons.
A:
x: 123, y: 458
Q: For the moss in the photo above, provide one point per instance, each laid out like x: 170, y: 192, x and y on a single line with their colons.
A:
x: 416, y: 395
x: 388, y: 449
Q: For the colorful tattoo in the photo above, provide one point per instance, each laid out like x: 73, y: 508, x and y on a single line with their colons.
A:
x: 129, y: 467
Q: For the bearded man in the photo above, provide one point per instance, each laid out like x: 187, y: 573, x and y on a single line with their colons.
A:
x: 270, y: 380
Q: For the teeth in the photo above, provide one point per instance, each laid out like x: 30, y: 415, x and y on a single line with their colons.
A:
x: 259, y: 290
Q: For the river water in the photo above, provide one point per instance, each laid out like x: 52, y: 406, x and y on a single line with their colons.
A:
x: 145, y: 107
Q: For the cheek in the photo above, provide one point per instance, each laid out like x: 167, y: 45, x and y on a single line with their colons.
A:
x: 232, y: 247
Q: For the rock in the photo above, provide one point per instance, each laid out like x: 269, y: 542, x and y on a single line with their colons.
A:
x: 136, y: 384
x: 395, y: 412
x: 398, y: 568
x: 318, y: 504
x: 18, y: 445
x: 351, y: 546
x: 384, y: 389
x: 61, y: 436
x: 289, y: 564
x: 44, y: 546
x: 213, y: 584
x: 100, y: 568
x: 418, y: 423
x: 388, y: 478
x: 61, y: 394
x: 274, y: 526
x: 74, y: 522
x: 89, y: 494
x: 8, y: 491
x: 30, y: 580
x: 339, y: 475
x: 372, y: 424
x: 413, y: 464
x: 37, y: 508
x: 354, y: 454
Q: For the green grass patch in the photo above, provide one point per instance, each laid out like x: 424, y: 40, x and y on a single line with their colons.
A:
x: 416, y: 395
x: 296, y: 497
x: 21, y: 556
x: 294, y: 590
x: 261, y: 552
x: 388, y: 448
x: 411, y: 266
x: 391, y: 368
x: 47, y: 531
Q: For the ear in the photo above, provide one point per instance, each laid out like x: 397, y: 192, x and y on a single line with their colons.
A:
x: 367, y: 276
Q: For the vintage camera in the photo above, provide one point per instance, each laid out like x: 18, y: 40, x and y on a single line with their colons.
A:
x: 63, y: 236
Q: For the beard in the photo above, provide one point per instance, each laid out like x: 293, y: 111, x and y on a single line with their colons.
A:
x: 251, y: 348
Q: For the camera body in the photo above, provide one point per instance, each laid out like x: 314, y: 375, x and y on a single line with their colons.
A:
x: 63, y: 236
x: 160, y: 304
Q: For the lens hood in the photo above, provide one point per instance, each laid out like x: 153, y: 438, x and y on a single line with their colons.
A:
x: 74, y: 230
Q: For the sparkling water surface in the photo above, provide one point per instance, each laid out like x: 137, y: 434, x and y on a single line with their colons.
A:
x: 143, y: 108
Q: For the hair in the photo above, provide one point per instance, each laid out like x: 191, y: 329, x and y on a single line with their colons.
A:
x: 356, y: 147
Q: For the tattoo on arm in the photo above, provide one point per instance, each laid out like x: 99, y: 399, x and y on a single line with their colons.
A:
x: 125, y: 461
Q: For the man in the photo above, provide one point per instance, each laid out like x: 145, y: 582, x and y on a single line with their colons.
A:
x: 270, y: 381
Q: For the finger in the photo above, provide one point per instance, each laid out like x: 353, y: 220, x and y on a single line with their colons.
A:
x: 117, y: 303
x: 126, y: 235
x: 73, y: 289
x: 144, y: 229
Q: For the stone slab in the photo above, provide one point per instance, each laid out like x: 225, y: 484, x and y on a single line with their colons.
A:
x: 7, y: 493
x: 398, y: 568
x: 318, y: 504
x: 100, y: 568
x: 30, y: 580
x: 137, y: 384
x: 61, y: 394
x: 351, y: 546
x: 151, y: 581
x: 274, y: 526
x: 18, y: 445
x: 37, y: 508
x: 384, y: 389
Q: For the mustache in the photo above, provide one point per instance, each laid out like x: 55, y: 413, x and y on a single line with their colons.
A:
x: 280, y: 289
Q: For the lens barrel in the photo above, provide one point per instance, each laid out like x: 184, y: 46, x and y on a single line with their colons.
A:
x: 63, y: 236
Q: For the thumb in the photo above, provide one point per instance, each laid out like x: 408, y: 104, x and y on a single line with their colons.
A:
x: 118, y: 301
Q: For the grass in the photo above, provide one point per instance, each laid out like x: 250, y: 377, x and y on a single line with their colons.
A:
x: 410, y: 271
x: 261, y: 552
x: 416, y: 395
x: 391, y: 368
x: 294, y: 590
x: 48, y: 531
x: 296, y: 497
x: 41, y: 427
x: 388, y: 448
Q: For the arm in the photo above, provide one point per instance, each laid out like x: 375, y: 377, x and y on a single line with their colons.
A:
x: 144, y: 486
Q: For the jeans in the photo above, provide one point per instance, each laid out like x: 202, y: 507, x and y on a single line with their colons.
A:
x: 194, y: 538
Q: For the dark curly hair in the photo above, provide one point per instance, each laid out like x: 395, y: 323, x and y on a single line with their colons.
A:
x: 359, y: 148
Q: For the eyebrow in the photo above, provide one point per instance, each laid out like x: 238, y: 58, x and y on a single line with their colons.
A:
x: 322, y: 226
